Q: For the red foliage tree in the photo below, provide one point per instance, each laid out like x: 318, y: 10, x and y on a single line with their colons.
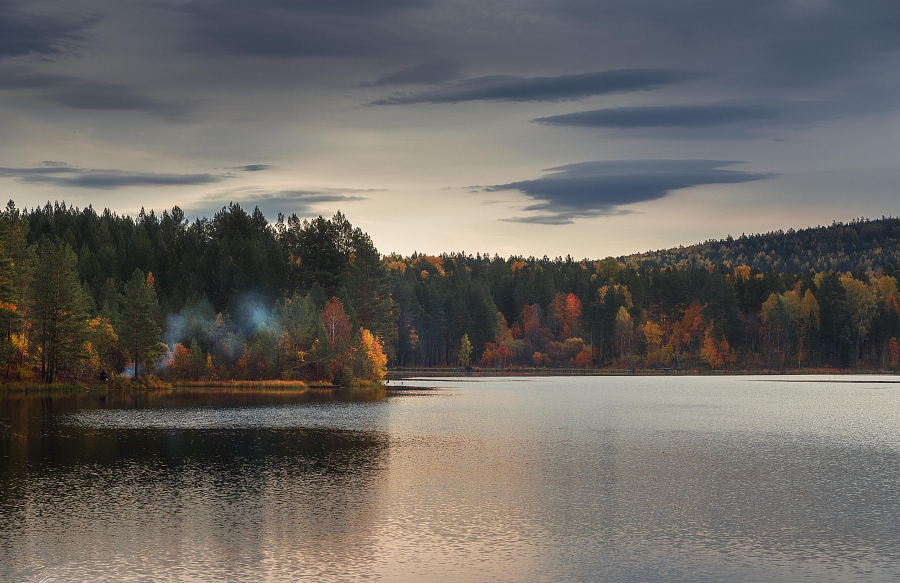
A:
x: 337, y: 325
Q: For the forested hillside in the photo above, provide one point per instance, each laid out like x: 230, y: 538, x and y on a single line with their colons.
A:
x: 861, y: 244
x: 238, y: 297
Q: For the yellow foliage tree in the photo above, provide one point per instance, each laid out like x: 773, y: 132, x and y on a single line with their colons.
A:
x: 374, y: 352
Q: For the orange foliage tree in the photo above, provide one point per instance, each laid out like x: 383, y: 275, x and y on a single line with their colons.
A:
x: 566, y: 310
x: 893, y: 352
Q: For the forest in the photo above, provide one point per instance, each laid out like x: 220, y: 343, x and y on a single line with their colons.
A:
x: 87, y: 296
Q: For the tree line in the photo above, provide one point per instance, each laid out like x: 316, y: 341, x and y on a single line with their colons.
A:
x: 862, y: 244
x: 567, y: 313
x: 236, y: 296
x: 84, y: 294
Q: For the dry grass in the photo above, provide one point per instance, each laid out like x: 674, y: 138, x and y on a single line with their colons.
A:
x: 236, y: 384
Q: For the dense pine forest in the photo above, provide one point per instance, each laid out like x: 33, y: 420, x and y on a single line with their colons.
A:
x: 87, y: 295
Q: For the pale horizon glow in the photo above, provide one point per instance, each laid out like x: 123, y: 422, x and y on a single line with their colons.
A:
x: 582, y: 128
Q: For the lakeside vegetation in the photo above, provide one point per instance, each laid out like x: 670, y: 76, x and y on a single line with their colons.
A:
x: 237, y: 299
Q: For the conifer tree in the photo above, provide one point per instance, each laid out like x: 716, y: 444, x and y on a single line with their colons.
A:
x: 16, y: 265
x: 140, y: 332
x: 59, y: 309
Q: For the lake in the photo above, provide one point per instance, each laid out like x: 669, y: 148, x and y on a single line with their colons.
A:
x: 463, y: 479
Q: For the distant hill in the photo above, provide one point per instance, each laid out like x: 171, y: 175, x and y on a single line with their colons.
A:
x: 862, y: 244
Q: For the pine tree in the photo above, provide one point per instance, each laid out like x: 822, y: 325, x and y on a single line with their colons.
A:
x: 59, y: 310
x: 368, y: 285
x: 17, y: 261
x: 140, y: 333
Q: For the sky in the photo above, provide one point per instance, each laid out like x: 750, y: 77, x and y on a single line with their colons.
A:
x: 523, y: 127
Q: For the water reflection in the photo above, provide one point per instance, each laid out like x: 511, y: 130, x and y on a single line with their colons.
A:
x: 83, y: 502
x: 534, y: 480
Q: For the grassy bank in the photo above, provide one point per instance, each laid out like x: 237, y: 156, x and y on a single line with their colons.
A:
x: 236, y: 384
x: 148, y: 383
x: 153, y: 383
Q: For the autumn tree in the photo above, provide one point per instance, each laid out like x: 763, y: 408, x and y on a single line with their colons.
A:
x: 653, y: 338
x: 566, y: 309
x: 104, y: 345
x: 716, y: 351
x: 464, y: 354
x: 337, y: 333
x: 180, y: 365
x: 893, y: 353
x: 369, y: 360
x: 861, y: 307
x: 624, y: 334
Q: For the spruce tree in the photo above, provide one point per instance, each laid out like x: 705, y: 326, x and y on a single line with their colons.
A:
x: 140, y: 333
x: 59, y: 309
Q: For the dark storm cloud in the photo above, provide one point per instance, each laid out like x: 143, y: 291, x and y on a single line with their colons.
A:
x: 563, y: 87
x: 24, y: 33
x: 666, y: 116
x: 284, y: 29
x: 321, y: 6
x: 590, y: 189
x: 79, y: 93
x: 428, y: 73
x: 785, y: 41
x: 60, y: 174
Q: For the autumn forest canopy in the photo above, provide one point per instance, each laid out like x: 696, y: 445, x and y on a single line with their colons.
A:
x: 239, y: 297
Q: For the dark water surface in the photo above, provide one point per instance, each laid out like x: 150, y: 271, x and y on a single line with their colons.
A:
x: 532, y: 479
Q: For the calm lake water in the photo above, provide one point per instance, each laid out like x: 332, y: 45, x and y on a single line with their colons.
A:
x: 512, y: 479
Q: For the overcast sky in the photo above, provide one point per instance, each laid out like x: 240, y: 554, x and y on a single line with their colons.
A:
x: 582, y: 127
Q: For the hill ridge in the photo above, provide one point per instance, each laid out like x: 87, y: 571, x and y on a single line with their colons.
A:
x: 861, y: 244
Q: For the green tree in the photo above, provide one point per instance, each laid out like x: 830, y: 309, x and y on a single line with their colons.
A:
x: 59, y: 310
x: 368, y: 285
x: 465, y: 352
x: 140, y: 333
x: 16, y: 265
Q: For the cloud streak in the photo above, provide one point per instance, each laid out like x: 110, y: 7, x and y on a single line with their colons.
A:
x: 432, y: 72
x: 78, y: 93
x: 253, y: 167
x: 301, y: 202
x: 282, y: 29
x: 665, y: 116
x: 60, y: 174
x: 590, y: 189
x: 22, y: 33
x: 561, y: 88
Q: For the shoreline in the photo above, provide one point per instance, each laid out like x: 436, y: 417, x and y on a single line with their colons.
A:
x: 61, y: 388
x: 410, y: 373
x: 399, y: 374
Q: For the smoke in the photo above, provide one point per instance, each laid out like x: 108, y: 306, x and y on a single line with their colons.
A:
x: 252, y: 313
x: 221, y: 334
x: 194, y: 321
